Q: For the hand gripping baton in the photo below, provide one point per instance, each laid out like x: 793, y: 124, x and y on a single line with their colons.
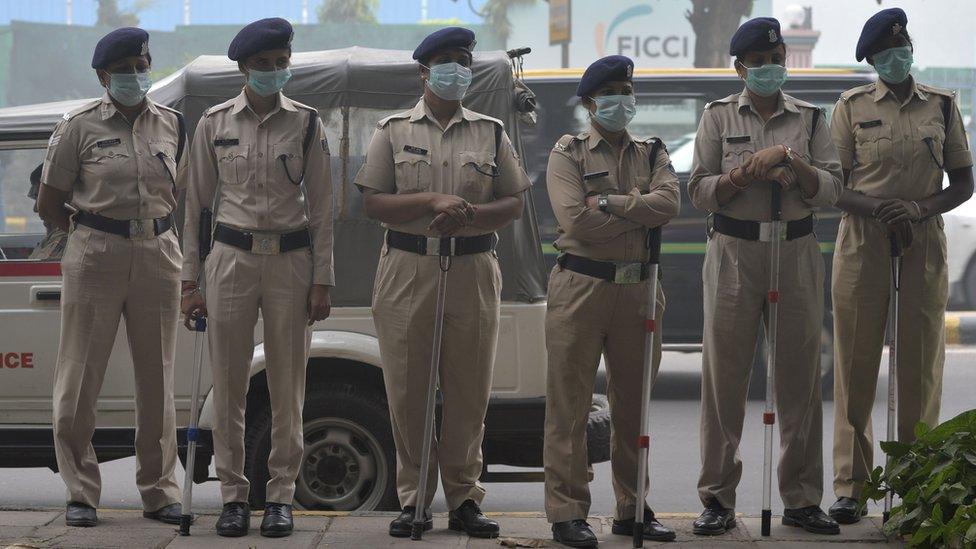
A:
x: 644, y: 436
x: 199, y: 337
x: 896, y: 258
x: 769, y: 413
x: 420, y: 506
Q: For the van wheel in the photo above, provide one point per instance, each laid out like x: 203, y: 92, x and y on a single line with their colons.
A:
x: 349, y: 460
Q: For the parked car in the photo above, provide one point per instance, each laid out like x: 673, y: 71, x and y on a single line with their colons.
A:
x: 349, y: 461
x: 960, y: 231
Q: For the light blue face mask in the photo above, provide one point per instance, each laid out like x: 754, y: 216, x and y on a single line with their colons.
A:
x: 765, y: 80
x: 449, y: 81
x: 614, y: 112
x: 265, y: 83
x: 129, y: 88
x: 894, y: 64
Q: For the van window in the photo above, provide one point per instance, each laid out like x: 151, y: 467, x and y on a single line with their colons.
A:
x: 21, y: 230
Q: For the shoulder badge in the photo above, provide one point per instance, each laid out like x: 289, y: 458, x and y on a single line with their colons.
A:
x: 564, y: 142
x: 853, y: 92
x: 400, y: 115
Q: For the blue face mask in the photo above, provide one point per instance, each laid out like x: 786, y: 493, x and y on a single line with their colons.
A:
x: 449, y: 81
x: 614, y: 112
x: 128, y: 88
x: 265, y: 83
x: 894, y: 64
x: 765, y: 80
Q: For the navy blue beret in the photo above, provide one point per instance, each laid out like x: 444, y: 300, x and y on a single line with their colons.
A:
x: 612, y: 68
x: 759, y: 34
x: 884, y: 23
x: 444, y: 39
x: 118, y: 44
x: 264, y: 34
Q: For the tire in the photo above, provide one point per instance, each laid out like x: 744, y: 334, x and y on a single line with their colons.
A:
x: 969, y: 285
x: 598, y: 430
x: 350, y: 459
x: 757, y: 385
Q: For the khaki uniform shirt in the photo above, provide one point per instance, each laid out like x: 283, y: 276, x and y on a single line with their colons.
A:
x: 411, y: 153
x: 729, y: 133
x: 236, y: 156
x: 642, y: 194
x: 111, y: 166
x: 885, y: 142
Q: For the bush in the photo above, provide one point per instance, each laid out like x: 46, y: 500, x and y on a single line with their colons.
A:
x: 935, y: 477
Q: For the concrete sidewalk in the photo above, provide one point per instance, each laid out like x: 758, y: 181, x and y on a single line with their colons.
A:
x: 127, y: 529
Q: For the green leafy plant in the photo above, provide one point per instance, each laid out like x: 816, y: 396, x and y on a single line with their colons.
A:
x: 935, y: 478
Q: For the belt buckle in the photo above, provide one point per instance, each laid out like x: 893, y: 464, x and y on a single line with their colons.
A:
x: 141, y: 229
x: 434, y: 246
x: 627, y: 273
x: 766, y: 231
x: 265, y: 243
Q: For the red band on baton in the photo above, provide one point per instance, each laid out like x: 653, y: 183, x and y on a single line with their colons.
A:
x: 650, y: 325
x: 643, y: 441
x: 774, y: 296
x: 769, y: 418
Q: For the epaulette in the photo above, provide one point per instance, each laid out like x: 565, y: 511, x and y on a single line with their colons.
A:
x: 302, y: 105
x: 723, y: 101
x: 479, y: 116
x: 398, y: 116
x: 937, y: 91
x: 82, y: 109
x: 803, y: 104
x: 565, y: 141
x: 866, y: 88
x: 219, y: 107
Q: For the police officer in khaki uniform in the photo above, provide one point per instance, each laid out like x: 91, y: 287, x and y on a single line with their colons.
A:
x: 249, y: 157
x: 117, y: 162
x: 746, y: 143
x: 606, y: 191
x: 440, y: 176
x: 895, y: 138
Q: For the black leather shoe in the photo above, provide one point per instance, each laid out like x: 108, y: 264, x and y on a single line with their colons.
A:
x: 574, y: 533
x: 234, y: 520
x: 653, y: 530
x: 169, y: 514
x: 715, y: 520
x: 277, y: 522
x: 845, y: 511
x: 402, y: 526
x: 812, y: 519
x: 469, y: 519
x: 79, y: 514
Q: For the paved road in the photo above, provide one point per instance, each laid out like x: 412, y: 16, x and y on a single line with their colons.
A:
x: 675, y: 457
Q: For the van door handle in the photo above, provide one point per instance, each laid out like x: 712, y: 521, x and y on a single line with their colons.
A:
x: 45, y: 295
x: 49, y: 295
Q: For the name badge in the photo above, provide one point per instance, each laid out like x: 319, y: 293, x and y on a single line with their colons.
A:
x: 594, y: 175
x: 415, y: 150
x: 108, y: 142
x: 869, y: 124
x: 226, y: 142
x: 739, y: 139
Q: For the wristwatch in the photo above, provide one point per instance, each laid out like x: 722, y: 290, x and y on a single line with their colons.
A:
x: 789, y: 154
x: 603, y: 202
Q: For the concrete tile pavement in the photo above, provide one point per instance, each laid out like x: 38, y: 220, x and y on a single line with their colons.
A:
x: 127, y: 529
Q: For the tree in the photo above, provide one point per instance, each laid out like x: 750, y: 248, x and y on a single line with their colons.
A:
x: 714, y: 22
x: 495, y: 14
x: 109, y: 14
x: 348, y: 11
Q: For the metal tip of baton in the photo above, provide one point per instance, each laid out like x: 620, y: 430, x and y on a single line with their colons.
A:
x: 767, y: 520
x: 885, y: 516
x: 417, y: 533
x: 638, y: 534
x: 185, y: 522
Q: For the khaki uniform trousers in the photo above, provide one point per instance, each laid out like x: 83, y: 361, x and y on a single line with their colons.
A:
x: 107, y: 277
x: 238, y: 284
x: 736, y: 282
x: 587, y: 317
x: 861, y: 288
x: 404, y: 303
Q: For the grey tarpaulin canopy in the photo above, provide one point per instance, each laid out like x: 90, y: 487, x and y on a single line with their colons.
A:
x: 352, y: 88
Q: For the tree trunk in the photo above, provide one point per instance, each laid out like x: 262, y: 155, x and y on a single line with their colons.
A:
x: 714, y: 22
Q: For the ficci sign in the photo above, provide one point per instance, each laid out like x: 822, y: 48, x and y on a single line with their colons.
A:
x: 632, y: 32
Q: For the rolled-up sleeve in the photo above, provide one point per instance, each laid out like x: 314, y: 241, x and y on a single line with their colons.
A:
x: 842, y: 134
x: 512, y: 178
x: 656, y: 207
x: 376, y: 172
x: 828, y: 166
x: 201, y: 185
x: 707, y: 166
x: 62, y: 162
x: 565, y: 185
x: 956, y: 153
x: 318, y: 188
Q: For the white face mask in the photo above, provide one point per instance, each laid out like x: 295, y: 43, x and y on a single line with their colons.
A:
x: 449, y: 81
x: 614, y: 112
x: 128, y: 88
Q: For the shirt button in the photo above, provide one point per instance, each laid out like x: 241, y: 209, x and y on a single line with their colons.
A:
x: 445, y: 163
x: 260, y: 155
x: 260, y: 185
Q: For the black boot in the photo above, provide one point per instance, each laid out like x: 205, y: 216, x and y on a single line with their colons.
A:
x: 845, y: 511
x: 812, y: 519
x: 469, y: 519
x: 277, y: 522
x: 715, y: 520
x: 653, y: 530
x: 574, y: 533
x: 402, y: 526
x: 234, y: 520
x: 170, y: 514
x: 79, y: 514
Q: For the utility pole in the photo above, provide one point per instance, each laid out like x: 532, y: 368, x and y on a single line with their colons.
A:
x: 304, y: 12
x: 69, y: 15
x: 186, y: 12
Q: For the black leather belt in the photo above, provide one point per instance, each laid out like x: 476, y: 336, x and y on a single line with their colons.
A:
x: 618, y: 273
x: 262, y: 243
x: 447, y: 246
x: 133, y: 228
x: 753, y: 230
